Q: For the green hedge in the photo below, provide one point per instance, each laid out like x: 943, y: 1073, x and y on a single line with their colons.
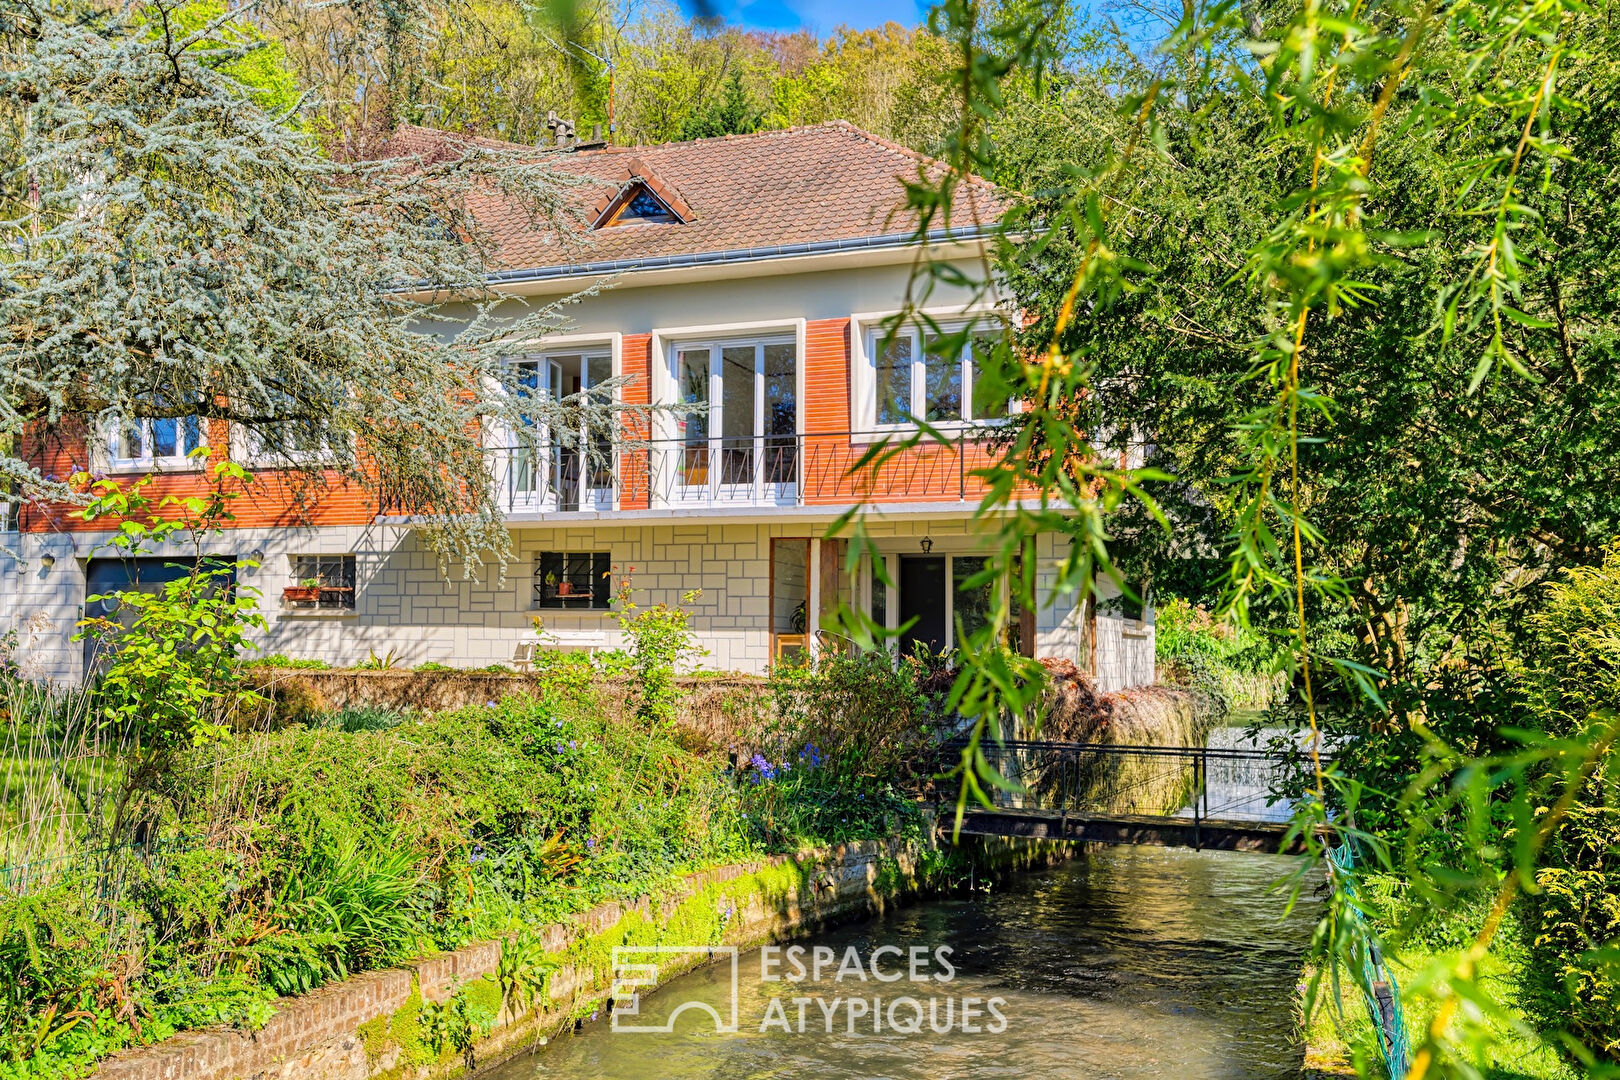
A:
x: 1573, y: 920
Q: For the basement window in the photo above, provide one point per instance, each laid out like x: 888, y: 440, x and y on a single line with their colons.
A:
x: 324, y: 582
x: 573, y: 580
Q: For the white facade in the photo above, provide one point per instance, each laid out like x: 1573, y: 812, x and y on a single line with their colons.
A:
x: 404, y: 604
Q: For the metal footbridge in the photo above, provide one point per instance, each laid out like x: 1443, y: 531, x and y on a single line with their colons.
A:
x: 1170, y: 796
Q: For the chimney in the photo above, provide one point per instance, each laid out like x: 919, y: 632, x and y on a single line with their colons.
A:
x: 562, y: 130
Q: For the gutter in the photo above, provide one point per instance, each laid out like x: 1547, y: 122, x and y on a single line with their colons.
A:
x: 736, y: 255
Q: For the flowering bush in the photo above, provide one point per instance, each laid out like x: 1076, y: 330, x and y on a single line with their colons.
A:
x: 798, y: 801
x: 859, y: 711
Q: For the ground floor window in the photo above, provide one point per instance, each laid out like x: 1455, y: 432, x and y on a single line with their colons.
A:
x: 322, y: 581
x: 573, y: 580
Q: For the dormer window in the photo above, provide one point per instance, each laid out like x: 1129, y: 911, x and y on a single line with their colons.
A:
x: 640, y: 198
x: 643, y: 206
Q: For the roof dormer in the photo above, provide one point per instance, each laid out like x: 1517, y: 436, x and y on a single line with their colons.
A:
x: 641, y: 199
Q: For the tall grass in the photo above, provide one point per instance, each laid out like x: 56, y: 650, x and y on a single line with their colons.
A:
x: 59, y: 780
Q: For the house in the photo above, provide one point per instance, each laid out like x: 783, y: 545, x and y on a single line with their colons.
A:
x: 748, y: 277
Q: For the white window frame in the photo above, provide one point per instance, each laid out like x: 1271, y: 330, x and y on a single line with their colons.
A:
x: 870, y: 329
x: 148, y: 461
x: 666, y: 340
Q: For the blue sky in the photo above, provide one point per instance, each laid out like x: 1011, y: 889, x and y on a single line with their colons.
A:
x: 821, y: 16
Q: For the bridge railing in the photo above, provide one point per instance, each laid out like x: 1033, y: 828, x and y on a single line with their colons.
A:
x: 1195, y: 782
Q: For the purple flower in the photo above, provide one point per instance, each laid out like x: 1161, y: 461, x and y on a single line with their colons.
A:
x: 765, y: 769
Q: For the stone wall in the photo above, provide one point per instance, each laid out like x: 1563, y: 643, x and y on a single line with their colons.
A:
x: 369, y: 1027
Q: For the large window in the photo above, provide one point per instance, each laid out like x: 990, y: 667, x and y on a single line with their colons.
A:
x: 573, y: 579
x: 918, y: 375
x: 149, y: 441
x: 739, y: 413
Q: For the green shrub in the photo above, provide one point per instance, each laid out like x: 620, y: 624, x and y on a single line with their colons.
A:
x: 661, y: 642
x: 799, y: 801
x: 359, y: 718
x: 350, y: 905
x: 1573, y: 919
x: 280, y: 660
x: 310, y: 853
x: 862, y: 712
x: 1239, y: 666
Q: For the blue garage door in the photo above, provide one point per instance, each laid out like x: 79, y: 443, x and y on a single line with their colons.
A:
x: 145, y: 573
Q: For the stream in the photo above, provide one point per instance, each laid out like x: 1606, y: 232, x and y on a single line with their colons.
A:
x: 1125, y: 962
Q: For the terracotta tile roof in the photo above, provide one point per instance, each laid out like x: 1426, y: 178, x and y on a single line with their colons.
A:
x: 828, y: 182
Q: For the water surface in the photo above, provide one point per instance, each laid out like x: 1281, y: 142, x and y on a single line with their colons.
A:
x: 1128, y: 962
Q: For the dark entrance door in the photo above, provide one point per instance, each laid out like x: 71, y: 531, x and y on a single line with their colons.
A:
x: 922, y: 597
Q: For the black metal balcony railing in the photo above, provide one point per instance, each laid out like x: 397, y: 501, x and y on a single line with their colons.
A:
x: 757, y: 470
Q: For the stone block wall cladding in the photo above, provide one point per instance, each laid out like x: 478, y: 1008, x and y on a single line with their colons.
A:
x: 340, y: 1032
x: 406, y: 605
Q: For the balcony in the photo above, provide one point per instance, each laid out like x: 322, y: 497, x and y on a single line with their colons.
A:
x: 737, y: 475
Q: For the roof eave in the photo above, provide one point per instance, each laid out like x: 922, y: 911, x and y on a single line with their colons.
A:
x: 890, y: 242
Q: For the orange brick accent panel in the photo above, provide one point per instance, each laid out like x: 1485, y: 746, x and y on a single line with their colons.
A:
x: 273, y: 499
x: 928, y: 472
x: 826, y: 375
x: 635, y: 362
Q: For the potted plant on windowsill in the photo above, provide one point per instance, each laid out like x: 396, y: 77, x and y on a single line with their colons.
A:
x: 307, y: 591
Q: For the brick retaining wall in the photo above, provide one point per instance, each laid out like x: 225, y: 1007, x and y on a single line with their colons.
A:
x: 318, y: 1036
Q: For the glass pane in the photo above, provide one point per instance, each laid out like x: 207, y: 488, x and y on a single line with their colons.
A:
x: 942, y: 385
x: 565, y: 376
x: 894, y: 381
x: 973, y: 605
x: 601, y: 579
x: 527, y: 379
x: 548, y: 575
x: 781, y: 414
x: 692, y: 379
x: 737, y: 413
x: 165, y: 433
x: 129, y: 441
x: 191, y: 429
x: 790, y: 585
x: 598, y: 370
x: 575, y: 587
x: 880, y: 594
x: 306, y: 437
x: 991, y: 380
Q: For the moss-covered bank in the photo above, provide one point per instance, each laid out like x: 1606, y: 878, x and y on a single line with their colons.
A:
x: 392, y: 1025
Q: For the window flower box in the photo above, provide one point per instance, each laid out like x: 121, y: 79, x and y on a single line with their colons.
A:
x: 301, y: 594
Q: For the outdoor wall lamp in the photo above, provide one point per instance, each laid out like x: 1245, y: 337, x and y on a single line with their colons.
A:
x: 47, y: 560
x: 927, y: 544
